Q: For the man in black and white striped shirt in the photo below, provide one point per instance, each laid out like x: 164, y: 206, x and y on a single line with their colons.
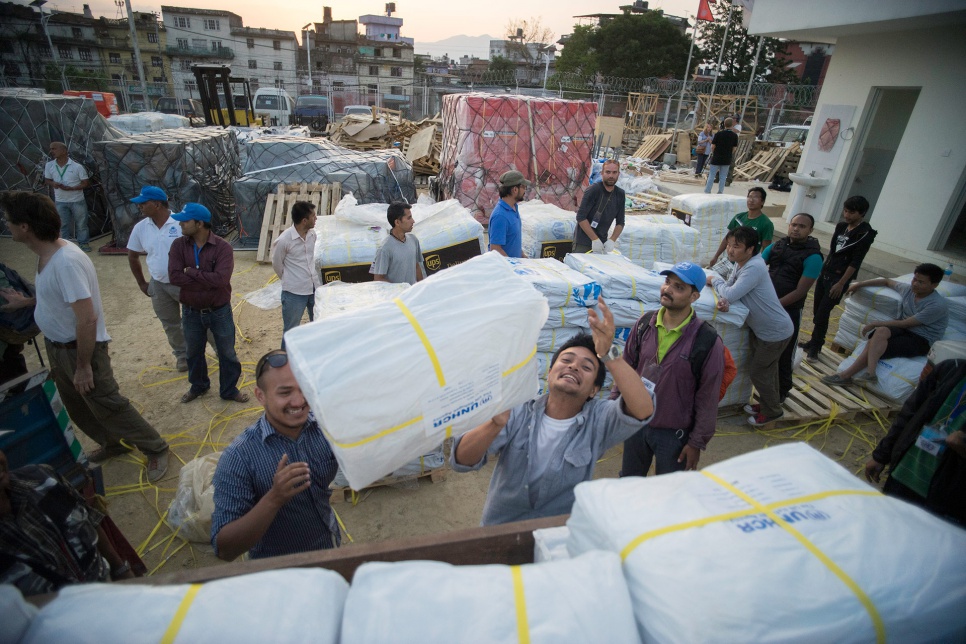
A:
x: 272, y: 482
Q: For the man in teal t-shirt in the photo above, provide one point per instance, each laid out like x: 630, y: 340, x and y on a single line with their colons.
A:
x: 753, y: 218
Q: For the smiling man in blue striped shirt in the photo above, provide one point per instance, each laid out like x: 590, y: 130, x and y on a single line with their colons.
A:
x: 272, y: 482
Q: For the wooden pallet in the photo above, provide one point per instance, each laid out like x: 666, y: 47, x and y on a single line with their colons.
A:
x: 278, y: 208
x: 653, y: 146
x: 811, y: 400
x: 344, y: 494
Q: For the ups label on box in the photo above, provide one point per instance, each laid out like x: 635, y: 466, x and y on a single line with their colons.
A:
x: 437, y: 260
x: 556, y: 249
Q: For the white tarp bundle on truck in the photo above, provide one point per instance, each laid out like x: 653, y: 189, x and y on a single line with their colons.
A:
x: 463, y: 342
x: 778, y: 545
x: 583, y: 599
x: 544, y: 222
x: 295, y: 605
x: 710, y: 216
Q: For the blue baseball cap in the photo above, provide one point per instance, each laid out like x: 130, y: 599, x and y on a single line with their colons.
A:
x: 150, y: 193
x: 193, y: 212
x: 689, y: 273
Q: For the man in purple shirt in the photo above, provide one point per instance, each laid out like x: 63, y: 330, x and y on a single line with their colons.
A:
x: 201, y: 263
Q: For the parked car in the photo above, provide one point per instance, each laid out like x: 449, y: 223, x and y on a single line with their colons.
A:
x: 274, y: 105
x: 190, y: 107
x: 357, y: 109
x: 312, y: 110
x: 787, y: 134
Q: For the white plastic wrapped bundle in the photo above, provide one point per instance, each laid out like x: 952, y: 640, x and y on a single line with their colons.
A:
x: 551, y: 339
x: 710, y: 216
x: 266, y: 298
x: 294, y: 605
x: 646, y: 240
x: 339, y: 297
x: 619, y: 278
x: 627, y: 312
x: 462, y: 344
x: 898, y: 377
x: 422, y: 465
x: 550, y: 544
x: 543, y: 222
x: 147, y: 122
x: 345, y: 243
x: 560, y: 284
x: 583, y: 599
x: 855, y: 316
x: 735, y: 338
x: 16, y: 614
x: 889, y: 301
x: 190, y: 511
x: 567, y: 316
x: 783, y: 545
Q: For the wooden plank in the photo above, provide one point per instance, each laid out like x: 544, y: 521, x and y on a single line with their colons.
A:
x: 420, y: 144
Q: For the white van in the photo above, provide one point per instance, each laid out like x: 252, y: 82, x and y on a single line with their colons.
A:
x: 274, y: 105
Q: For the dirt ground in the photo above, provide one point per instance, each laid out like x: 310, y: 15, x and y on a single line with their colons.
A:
x: 144, y: 368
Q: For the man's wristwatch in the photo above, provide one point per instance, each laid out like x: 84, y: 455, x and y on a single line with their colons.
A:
x: 614, y: 353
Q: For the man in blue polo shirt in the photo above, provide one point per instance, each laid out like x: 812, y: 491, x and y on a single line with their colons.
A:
x: 504, y: 230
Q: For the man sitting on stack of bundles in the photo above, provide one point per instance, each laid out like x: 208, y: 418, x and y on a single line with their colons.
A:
x: 550, y: 444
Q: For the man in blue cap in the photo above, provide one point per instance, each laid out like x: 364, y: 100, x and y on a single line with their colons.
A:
x: 200, y: 263
x: 153, y: 236
x: 681, y: 360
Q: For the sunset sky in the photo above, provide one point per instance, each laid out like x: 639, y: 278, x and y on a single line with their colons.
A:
x: 424, y: 20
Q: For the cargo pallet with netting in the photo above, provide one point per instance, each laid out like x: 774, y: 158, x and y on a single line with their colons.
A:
x: 278, y: 209
x: 811, y: 400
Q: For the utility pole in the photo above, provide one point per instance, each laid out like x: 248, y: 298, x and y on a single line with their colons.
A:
x: 137, y: 55
x: 724, y: 41
x: 308, y: 54
x: 44, y: 19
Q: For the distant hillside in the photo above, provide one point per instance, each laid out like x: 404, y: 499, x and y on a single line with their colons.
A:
x: 457, y: 47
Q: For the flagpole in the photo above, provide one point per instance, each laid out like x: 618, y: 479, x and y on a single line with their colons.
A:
x: 684, y: 87
x: 724, y: 41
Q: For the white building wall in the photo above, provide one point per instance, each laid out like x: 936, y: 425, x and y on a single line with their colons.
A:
x: 267, y: 58
x: 922, y: 180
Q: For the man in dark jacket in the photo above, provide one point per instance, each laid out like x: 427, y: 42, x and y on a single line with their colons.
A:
x: 794, y: 263
x: 939, y: 399
x: 851, y: 241
x: 602, y: 205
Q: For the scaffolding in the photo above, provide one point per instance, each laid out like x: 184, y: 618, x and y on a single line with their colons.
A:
x: 640, y: 119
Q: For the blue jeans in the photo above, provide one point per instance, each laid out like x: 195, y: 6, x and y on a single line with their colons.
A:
x: 653, y: 443
x: 292, y: 308
x: 73, y: 214
x: 714, y: 170
x: 221, y: 324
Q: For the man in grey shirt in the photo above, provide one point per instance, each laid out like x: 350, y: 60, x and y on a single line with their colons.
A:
x: 771, y: 328
x: 399, y: 259
x: 923, y: 317
x: 550, y: 444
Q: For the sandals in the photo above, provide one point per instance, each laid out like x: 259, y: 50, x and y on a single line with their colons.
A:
x: 240, y: 397
x: 191, y: 395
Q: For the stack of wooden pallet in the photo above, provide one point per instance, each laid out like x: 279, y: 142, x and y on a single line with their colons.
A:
x: 766, y: 163
x: 650, y: 201
x: 422, y: 143
x: 653, y: 146
x: 681, y: 175
x: 325, y: 197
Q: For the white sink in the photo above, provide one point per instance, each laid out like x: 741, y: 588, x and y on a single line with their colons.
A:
x: 807, y: 180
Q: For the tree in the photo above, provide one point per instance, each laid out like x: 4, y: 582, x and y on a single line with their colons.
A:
x: 739, y: 53
x: 629, y: 46
x: 95, y: 81
x: 525, y: 38
x: 500, y: 65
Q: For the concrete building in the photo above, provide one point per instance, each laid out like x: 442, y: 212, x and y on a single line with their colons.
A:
x: 120, y: 64
x: 885, y: 126
x: 266, y: 57
x: 198, y: 36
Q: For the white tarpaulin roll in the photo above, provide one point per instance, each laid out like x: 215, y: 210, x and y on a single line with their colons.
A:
x: 456, y: 348
x: 551, y: 339
x: 628, y: 312
x: 295, y: 605
x: 560, y: 284
x: 583, y: 599
x: 619, y: 278
x: 778, y: 545
x: 710, y: 216
x: 889, y: 301
x: 898, y: 377
x: 339, y: 297
x: 567, y: 316
x: 644, y: 242
x: 855, y: 316
x: 543, y: 222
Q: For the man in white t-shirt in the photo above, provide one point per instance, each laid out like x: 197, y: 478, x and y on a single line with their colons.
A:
x: 152, y: 236
x: 68, y: 311
x: 68, y: 179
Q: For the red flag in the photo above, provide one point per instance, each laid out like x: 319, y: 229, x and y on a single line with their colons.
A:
x: 704, y: 11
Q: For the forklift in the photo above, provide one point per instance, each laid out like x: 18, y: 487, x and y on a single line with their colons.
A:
x: 215, y: 85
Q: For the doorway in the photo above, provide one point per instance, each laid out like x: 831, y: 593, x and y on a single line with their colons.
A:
x: 889, y: 113
x: 951, y: 235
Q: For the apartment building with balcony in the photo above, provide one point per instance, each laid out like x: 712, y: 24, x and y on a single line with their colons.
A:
x: 120, y: 63
x: 199, y: 36
x: 266, y: 57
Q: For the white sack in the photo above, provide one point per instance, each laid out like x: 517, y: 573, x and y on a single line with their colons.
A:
x: 338, y: 297
x: 898, y: 377
x: 619, y: 278
x: 560, y: 284
x: 192, y: 506
x: 710, y: 216
x: 746, y: 579
x: 464, y: 355
x: 542, y: 222
x: 645, y: 241
x: 295, y: 605
x: 575, y: 600
x: 266, y: 298
x: 342, y: 243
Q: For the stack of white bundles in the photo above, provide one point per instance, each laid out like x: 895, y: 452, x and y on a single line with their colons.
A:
x: 542, y: 222
x: 246, y: 608
x: 663, y: 238
x: 710, y: 215
x: 898, y: 377
x: 776, y: 545
x: 335, y: 298
x: 462, y: 341
x: 343, y: 243
x: 148, y: 122
x: 619, y: 278
x: 881, y: 303
x: 583, y: 599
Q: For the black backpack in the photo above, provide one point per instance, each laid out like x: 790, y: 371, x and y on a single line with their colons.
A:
x: 703, y: 343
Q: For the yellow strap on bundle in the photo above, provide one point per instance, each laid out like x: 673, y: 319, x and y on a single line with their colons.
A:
x: 172, y: 632
x: 425, y: 340
x: 520, y: 600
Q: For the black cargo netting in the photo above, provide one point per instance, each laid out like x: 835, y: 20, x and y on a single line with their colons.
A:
x: 197, y: 165
x: 381, y: 176
x: 29, y: 122
x: 549, y: 140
